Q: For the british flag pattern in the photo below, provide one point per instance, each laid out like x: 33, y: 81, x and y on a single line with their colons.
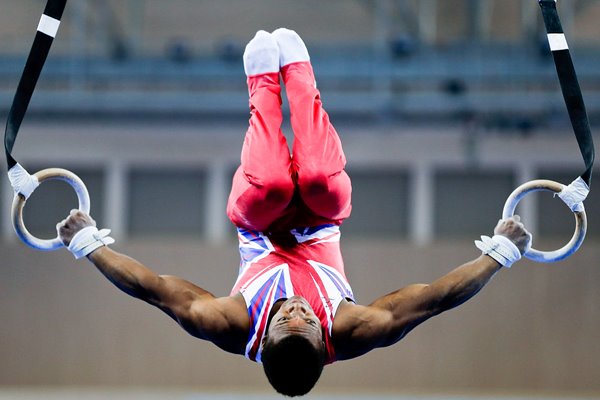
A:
x: 308, y: 265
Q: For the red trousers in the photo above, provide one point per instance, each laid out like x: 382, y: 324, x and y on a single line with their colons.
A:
x: 273, y: 190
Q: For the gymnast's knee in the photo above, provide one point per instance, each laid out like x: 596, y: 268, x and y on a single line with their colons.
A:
x: 328, y: 195
x: 276, y: 190
x: 314, y: 182
x: 260, y: 202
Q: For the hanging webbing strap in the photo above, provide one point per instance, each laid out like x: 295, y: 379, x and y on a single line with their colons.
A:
x: 570, y: 88
x: 46, y: 31
x: 22, y: 182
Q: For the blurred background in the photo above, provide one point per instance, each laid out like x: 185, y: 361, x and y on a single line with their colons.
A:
x: 444, y: 107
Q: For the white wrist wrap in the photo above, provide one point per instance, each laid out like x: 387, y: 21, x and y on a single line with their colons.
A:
x: 21, y: 181
x: 500, y: 248
x: 89, y: 239
x: 574, y: 194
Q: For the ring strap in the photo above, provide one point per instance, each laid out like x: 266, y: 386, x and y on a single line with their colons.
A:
x: 569, y: 86
x: 33, y: 67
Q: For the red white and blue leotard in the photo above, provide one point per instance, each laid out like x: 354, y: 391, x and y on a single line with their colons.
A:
x: 275, y: 191
x: 308, y: 263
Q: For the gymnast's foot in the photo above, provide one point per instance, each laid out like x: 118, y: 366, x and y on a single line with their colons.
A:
x: 291, y: 47
x: 293, y: 55
x: 261, y: 55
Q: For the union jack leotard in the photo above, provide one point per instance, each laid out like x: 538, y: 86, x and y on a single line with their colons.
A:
x: 306, y: 263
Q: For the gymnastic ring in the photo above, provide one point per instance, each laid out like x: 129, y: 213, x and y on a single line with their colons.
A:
x: 580, y: 220
x: 19, y: 203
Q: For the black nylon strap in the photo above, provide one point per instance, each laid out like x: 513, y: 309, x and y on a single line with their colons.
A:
x: 570, y: 90
x: 33, y: 67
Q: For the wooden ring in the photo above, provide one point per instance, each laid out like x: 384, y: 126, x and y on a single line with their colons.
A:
x: 19, y: 203
x: 580, y: 220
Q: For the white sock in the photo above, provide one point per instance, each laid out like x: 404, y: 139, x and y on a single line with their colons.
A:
x: 291, y: 47
x: 261, y: 55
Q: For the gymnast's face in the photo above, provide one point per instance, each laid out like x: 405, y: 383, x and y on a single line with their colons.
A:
x: 296, y: 317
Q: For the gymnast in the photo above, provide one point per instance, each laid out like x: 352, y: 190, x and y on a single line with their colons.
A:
x: 292, y: 308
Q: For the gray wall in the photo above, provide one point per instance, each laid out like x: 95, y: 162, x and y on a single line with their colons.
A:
x: 410, y: 182
x: 533, y: 329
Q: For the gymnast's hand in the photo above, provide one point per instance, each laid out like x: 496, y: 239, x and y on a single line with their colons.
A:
x: 515, y: 231
x: 76, y: 221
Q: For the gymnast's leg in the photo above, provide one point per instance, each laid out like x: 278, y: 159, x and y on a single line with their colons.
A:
x: 318, y: 157
x: 262, y: 186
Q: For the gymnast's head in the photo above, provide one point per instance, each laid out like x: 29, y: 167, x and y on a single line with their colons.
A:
x: 294, y: 353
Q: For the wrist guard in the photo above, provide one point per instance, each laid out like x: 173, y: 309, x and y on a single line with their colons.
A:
x: 89, y: 239
x: 500, y: 248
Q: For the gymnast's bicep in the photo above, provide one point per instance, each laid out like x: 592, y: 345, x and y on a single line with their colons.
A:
x: 358, y: 329
x: 384, y: 322
x: 220, y: 320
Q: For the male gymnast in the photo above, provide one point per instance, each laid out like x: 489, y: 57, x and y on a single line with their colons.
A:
x: 292, y: 308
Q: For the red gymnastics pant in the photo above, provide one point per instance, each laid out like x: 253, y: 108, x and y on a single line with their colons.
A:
x: 273, y: 190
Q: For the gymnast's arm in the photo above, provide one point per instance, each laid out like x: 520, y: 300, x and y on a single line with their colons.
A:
x: 222, y: 321
x: 359, y: 329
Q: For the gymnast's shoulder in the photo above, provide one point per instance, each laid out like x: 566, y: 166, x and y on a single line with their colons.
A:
x: 357, y: 329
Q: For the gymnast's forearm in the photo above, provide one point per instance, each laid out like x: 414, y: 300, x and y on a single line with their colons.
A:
x: 127, y: 274
x: 171, y: 294
x: 464, y: 282
x: 408, y: 307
